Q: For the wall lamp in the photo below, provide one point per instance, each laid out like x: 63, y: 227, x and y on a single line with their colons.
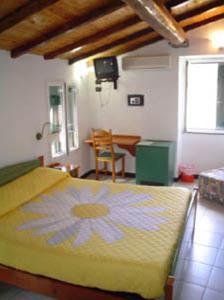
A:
x: 39, y: 135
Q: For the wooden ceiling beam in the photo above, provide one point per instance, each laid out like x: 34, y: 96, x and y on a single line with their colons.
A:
x: 173, y: 3
x: 159, y: 18
x: 94, y: 38
x: 23, y: 12
x: 66, y: 28
x: 139, y: 45
x: 204, y: 22
x: 116, y: 43
x: 199, y: 10
x: 121, y: 26
x: 145, y: 32
x: 159, y: 38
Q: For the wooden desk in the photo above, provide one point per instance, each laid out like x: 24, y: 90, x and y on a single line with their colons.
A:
x: 123, y: 141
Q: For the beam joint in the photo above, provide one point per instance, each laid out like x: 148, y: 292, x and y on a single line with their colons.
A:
x: 159, y: 18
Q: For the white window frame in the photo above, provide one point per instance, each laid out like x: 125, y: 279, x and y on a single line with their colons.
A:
x: 207, y: 60
x: 64, y: 87
x: 75, y: 117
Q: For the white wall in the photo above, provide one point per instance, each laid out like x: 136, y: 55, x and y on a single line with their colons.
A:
x: 24, y: 108
x: 158, y: 119
x: 23, y: 105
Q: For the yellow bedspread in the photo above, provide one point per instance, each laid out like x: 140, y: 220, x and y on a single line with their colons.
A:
x: 110, y: 236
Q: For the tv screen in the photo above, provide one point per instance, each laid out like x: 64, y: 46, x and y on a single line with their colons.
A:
x: 106, y: 67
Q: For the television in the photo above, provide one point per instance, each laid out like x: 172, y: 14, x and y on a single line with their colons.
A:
x: 106, y: 68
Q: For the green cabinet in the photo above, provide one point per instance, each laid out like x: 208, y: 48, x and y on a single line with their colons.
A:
x: 155, y: 162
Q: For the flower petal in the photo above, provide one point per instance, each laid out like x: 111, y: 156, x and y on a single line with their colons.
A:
x: 50, y: 209
x: 39, y: 223
x: 108, y: 232
x: 54, y: 197
x: 120, y: 196
x: 63, y: 234
x: 64, y: 199
x: 75, y: 193
x: 125, y: 198
x: 137, y: 210
x: 56, y: 226
x: 144, y: 222
x: 85, y: 232
x: 86, y: 196
x: 101, y: 196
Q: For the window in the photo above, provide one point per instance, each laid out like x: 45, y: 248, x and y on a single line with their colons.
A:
x: 205, y: 96
x: 63, y: 119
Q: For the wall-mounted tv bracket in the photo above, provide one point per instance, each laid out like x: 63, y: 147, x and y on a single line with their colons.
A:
x: 98, y: 85
x: 99, y: 81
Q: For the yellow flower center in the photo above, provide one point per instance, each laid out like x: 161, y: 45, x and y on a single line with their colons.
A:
x: 90, y: 210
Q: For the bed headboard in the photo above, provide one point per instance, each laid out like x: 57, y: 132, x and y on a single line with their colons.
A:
x: 10, y: 173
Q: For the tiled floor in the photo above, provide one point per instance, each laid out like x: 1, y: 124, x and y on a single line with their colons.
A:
x: 200, y: 269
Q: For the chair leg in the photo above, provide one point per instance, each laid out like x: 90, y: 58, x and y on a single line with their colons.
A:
x: 123, y: 167
x: 113, y: 171
x: 105, y: 167
x: 97, y: 170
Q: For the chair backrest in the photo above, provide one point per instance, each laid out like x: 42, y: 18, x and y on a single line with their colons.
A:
x: 102, y: 141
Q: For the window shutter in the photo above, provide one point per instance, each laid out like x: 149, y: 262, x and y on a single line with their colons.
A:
x: 55, y: 100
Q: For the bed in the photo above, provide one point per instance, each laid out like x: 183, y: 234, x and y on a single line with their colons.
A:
x: 81, y: 239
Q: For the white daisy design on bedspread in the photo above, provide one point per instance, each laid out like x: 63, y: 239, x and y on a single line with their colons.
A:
x: 80, y: 213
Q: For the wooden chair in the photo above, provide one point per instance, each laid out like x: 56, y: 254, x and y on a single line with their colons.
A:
x: 104, y: 152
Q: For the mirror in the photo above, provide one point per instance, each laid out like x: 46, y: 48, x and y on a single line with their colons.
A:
x: 57, y: 117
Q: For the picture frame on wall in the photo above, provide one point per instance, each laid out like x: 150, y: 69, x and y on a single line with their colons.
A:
x: 135, y: 100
